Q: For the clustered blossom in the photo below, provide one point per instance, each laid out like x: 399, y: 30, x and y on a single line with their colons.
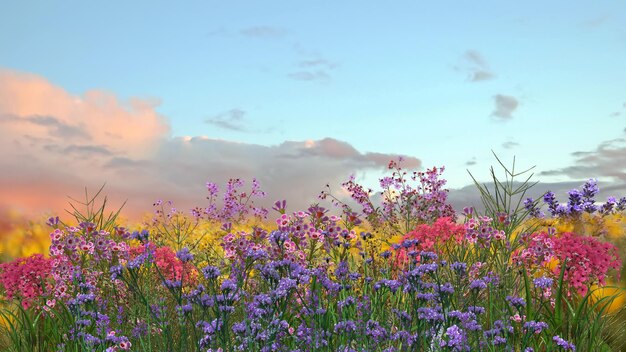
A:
x: 587, y: 260
x: 26, y: 279
x: 426, y: 237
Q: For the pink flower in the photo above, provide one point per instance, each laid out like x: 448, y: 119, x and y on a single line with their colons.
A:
x: 26, y: 278
x: 430, y: 236
x: 587, y: 259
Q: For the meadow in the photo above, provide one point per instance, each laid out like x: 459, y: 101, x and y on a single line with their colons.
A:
x: 396, y: 269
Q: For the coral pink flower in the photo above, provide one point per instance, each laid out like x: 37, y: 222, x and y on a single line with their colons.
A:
x: 26, y: 278
x: 431, y: 236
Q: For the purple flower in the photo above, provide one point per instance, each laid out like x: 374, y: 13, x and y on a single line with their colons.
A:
x: 516, y: 302
x: 209, y: 330
x: 535, y: 326
x: 280, y: 206
x: 375, y: 332
x: 459, y: 267
x: 425, y: 296
x: 531, y: 207
x: 563, y: 344
x: 278, y: 237
x: 184, y: 255
x: 229, y: 286
x: 185, y: 309
x: 115, y: 271
x: 477, y: 285
x: 342, y: 270
x: 607, y: 207
x: 140, y: 236
x: 137, y: 262
x: 457, y: 339
x: 409, y: 243
x: 172, y: 284
x: 468, y: 211
x: 476, y: 309
x: 445, y: 289
x: 53, y: 221
x: 211, y: 272
x: 345, y: 326
x: 543, y: 282
x: 392, y: 285
x: 426, y: 256
x: 349, y: 301
x: 550, y: 199
x: 590, y: 188
x: 498, y: 340
x: 431, y: 314
x: 491, y: 278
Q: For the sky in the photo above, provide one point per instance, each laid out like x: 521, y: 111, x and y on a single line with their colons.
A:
x: 156, y: 99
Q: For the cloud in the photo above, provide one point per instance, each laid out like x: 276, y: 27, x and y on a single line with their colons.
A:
x: 313, y: 69
x: 129, y: 148
x: 39, y: 109
x: 471, y: 161
x: 263, y: 32
x: 607, y: 161
x: 509, y: 144
x: 477, y: 68
x: 318, y: 63
x: 309, y: 76
x: 480, y: 75
x: 505, y: 105
x: 230, y: 120
x: 595, y: 22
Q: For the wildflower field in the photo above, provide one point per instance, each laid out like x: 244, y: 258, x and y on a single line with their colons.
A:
x: 396, y: 269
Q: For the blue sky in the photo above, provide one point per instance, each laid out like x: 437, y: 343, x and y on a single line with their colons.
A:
x: 444, y: 82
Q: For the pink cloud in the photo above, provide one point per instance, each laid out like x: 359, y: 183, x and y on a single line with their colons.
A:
x: 133, y: 127
x: 55, y: 144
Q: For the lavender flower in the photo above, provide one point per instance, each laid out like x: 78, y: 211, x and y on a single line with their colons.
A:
x: 211, y: 272
x: 459, y: 267
x: 477, y: 285
x: 457, y: 339
x: 229, y: 286
x: 140, y: 236
x: 432, y: 315
x: 53, y: 221
x: 516, y: 302
x: 590, y: 188
x: 115, y: 271
x: 345, y: 326
x: 563, y: 344
x: 535, y: 326
x: 543, y: 282
x: 531, y: 207
x: 184, y: 255
x: 278, y: 237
